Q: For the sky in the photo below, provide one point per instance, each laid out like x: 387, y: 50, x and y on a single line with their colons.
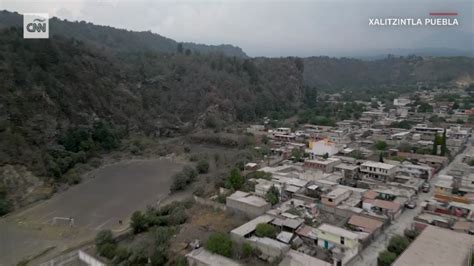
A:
x: 274, y: 28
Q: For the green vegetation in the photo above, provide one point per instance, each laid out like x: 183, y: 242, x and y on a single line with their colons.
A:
x: 182, y: 179
x: 260, y: 174
x: 265, y: 230
x: 235, y: 179
x: 273, y: 195
x: 386, y: 258
x: 5, y: 204
x: 105, y: 243
x: 202, y: 167
x: 169, y: 215
x: 220, y: 243
x: 380, y: 145
x: 398, y: 244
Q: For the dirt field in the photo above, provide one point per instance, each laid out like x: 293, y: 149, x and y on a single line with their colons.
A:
x: 116, y: 191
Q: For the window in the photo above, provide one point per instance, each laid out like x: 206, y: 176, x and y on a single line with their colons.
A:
x: 342, y: 240
x: 330, y: 200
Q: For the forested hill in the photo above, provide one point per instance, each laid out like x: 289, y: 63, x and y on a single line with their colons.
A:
x: 119, y: 40
x: 333, y: 73
x: 62, y: 99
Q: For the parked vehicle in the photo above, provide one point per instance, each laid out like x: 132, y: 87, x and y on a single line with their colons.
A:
x: 426, y: 187
x: 410, y: 204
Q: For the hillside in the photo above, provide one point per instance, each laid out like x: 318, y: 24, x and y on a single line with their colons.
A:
x: 119, y: 40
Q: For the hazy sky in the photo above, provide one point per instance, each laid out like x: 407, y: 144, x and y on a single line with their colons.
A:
x: 273, y: 28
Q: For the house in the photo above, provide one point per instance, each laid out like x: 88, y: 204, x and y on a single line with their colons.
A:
x: 323, y: 147
x: 444, y: 185
x: 389, y: 208
x: 343, y: 243
x: 325, y: 165
x: 437, y: 246
x: 349, y: 171
x: 248, y: 204
x: 336, y: 196
x: 330, y: 235
x: 268, y: 247
x: 378, y: 171
x: 416, y: 170
x: 246, y: 230
x: 295, y: 258
x: 365, y: 224
x: 202, y: 257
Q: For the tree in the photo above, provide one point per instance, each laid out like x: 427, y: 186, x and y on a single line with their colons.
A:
x: 273, y: 195
x: 434, y: 149
x: 179, y: 182
x: 380, y: 145
x: 138, y: 222
x: 297, y: 154
x: 190, y: 174
x: 105, y: 244
x: 220, y: 243
x: 236, y: 180
x: 326, y: 155
x: 202, y: 167
x: 386, y: 258
x: 265, y: 230
x: 398, y: 244
x: 179, y: 48
x: 444, y: 149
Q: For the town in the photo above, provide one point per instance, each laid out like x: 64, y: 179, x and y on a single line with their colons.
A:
x: 392, y: 188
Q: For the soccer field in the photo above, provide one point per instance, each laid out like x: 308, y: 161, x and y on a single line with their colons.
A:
x: 114, y: 194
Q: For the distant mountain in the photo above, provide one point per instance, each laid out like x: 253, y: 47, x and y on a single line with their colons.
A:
x: 119, y: 40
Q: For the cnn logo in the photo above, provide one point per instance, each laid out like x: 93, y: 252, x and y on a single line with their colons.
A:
x: 35, y: 26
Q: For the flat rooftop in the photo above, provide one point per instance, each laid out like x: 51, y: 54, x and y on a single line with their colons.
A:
x: 378, y: 165
x: 337, y: 192
x: 209, y: 258
x: 248, y: 199
x: 338, y: 231
x: 250, y: 226
x: 295, y: 258
x: 437, y: 246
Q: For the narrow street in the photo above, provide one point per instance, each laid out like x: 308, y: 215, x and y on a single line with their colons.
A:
x: 368, y: 256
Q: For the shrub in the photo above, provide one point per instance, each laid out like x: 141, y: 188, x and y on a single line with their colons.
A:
x: 104, y: 237
x: 247, y: 250
x: 411, y: 233
x: 398, y: 244
x: 202, y: 167
x: 105, y: 244
x: 121, y: 254
x: 107, y: 250
x: 273, y: 195
x: 386, y: 258
x: 190, y: 174
x: 179, y: 182
x: 220, y: 243
x: 265, y: 230
x: 236, y: 180
x: 139, y: 222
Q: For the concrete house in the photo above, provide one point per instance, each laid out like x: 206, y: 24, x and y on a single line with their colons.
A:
x: 247, y: 204
x: 325, y: 165
x: 335, y: 197
x: 390, y: 208
x: 330, y: 235
x: 202, y: 257
x: 378, y: 171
